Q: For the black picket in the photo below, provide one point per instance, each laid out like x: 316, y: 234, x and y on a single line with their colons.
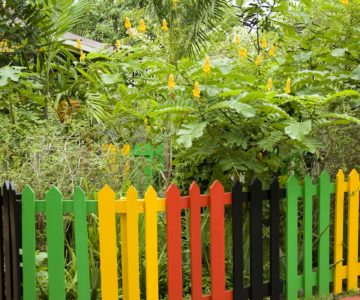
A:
x: 15, y: 242
x: 258, y: 289
x: 10, y: 236
x: 7, y: 242
x: 2, y: 278
x: 238, y: 251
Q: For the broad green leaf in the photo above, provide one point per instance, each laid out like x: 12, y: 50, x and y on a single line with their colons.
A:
x: 9, y: 73
x: 338, y: 52
x: 355, y: 74
x: 298, y: 130
x: 190, y: 132
x: 246, y: 110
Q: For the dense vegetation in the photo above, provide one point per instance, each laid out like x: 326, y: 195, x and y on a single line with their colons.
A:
x: 266, y: 88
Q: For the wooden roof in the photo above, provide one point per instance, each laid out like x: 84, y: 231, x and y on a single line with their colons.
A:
x: 69, y: 39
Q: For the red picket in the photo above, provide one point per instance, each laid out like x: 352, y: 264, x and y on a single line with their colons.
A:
x: 173, y: 234
x: 217, y: 241
x: 195, y: 242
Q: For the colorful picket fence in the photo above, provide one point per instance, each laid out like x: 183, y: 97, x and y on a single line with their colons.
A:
x: 336, y: 262
x: 153, y: 155
x: 10, y: 235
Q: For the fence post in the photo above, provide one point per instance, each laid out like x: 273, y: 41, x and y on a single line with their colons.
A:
x: 238, y: 240
x: 107, y: 240
x: 2, y: 275
x: 217, y: 241
x: 7, y: 243
x: 324, y: 232
x: 195, y: 242
x: 28, y: 243
x: 81, y: 244
x: 15, y: 234
x: 353, y: 230
x: 173, y: 236
x: 275, y: 282
x: 291, y: 240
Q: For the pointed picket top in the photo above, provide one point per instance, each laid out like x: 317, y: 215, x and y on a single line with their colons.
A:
x: 324, y: 176
x: 292, y: 180
x: 106, y: 191
x: 150, y: 193
x: 274, y: 181
x: 27, y: 192
x: 354, y: 175
x: 340, y: 175
x: 237, y: 187
x: 131, y: 194
x: 256, y: 183
x: 147, y: 147
x: 307, y: 179
x: 6, y: 185
x: 216, y: 186
x: 194, y: 188
x: 12, y: 186
x: 53, y: 193
x: 172, y: 190
x: 79, y: 194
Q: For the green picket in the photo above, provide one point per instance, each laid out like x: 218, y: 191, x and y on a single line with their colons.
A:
x: 28, y: 244
x: 308, y: 202
x: 55, y: 241
x: 292, y: 195
x: 81, y: 244
x: 324, y: 232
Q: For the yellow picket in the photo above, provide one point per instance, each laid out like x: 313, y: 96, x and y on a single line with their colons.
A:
x: 124, y: 256
x: 341, y: 188
x: 107, y: 239
x: 151, y: 248
x: 132, y: 244
x: 353, y: 229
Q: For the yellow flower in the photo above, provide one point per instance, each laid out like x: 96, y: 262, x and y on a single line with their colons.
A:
x: 287, y: 88
x: 345, y: 2
x: 164, y: 25
x: 243, y: 53
x: 258, y: 60
x: 269, y: 84
x: 127, y: 23
x: 142, y: 26
x: 196, y: 90
x: 125, y: 151
x: 174, y: 2
x: 237, y: 39
x: 263, y: 42
x: 78, y: 43
x: 171, y: 82
x: 207, y: 66
x: 272, y: 50
x: 82, y: 55
x: 118, y: 44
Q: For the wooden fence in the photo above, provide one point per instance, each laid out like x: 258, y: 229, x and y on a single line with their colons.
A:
x: 10, y: 236
x: 153, y: 156
x: 303, y: 202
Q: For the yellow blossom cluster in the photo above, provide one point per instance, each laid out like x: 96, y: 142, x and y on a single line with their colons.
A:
x: 164, y: 26
x: 269, y: 84
x: 287, y: 88
x: 207, y: 66
x: 196, y: 90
